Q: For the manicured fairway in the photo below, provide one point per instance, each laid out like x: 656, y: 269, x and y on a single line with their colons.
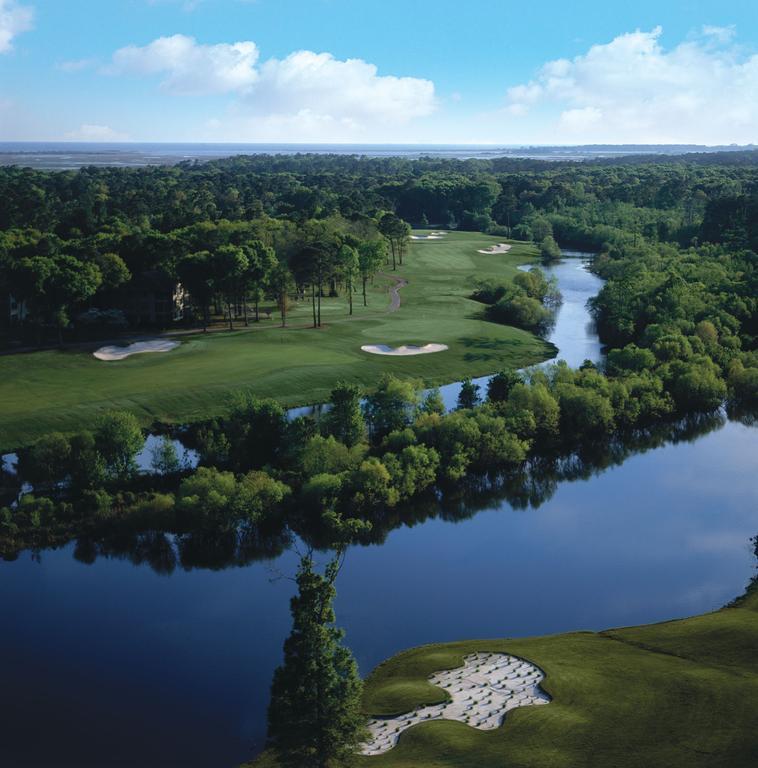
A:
x: 65, y: 390
x: 682, y: 693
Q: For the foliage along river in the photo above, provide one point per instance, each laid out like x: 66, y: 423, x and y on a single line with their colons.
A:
x: 112, y: 663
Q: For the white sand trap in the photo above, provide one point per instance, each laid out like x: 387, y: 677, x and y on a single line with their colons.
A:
x: 407, y: 349
x: 482, y: 691
x: 426, y: 237
x: 120, y: 353
x: 499, y: 248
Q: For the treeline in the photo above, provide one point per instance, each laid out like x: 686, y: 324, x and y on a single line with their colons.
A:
x: 99, y: 285
x: 81, y: 253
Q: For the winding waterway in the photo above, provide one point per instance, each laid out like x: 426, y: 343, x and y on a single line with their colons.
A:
x: 108, y: 661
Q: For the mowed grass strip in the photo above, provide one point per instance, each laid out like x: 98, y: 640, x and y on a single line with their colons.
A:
x: 65, y: 390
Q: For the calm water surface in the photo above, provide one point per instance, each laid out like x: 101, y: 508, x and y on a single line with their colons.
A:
x: 113, y: 664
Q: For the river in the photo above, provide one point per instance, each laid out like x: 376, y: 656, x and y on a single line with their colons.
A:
x: 106, y: 661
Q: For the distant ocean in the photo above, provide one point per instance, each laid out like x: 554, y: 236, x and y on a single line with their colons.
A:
x: 72, y: 155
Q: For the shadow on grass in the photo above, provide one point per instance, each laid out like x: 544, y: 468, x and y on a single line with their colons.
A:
x: 483, y: 348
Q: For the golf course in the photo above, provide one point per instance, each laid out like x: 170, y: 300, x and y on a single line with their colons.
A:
x: 65, y: 389
x: 680, y: 693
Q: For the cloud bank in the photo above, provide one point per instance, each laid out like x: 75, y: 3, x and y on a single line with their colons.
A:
x: 190, y: 68
x: 304, y: 96
x: 634, y: 90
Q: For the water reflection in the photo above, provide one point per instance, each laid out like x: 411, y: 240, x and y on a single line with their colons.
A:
x: 98, y: 637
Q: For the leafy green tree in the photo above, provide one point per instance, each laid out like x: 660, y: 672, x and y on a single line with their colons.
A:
x: 697, y: 385
x: 261, y: 261
x: 468, y: 397
x: 348, y: 269
x: 584, y: 412
x: 256, y: 430
x: 113, y: 270
x: 413, y: 469
x: 195, y: 272
x: 549, y: 249
x: 47, y: 462
x: 207, y: 497
x: 281, y: 284
x: 392, y: 406
x: 87, y: 467
x: 433, y: 402
x: 371, y: 487
x: 315, y: 718
x: 396, y: 232
x: 164, y: 459
x: 371, y: 255
x: 326, y: 455
x: 118, y: 439
x: 344, y: 419
x: 259, y: 497
x: 501, y: 384
x: 229, y: 265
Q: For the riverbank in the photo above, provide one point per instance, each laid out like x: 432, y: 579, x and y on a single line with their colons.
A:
x: 66, y: 390
x: 681, y: 693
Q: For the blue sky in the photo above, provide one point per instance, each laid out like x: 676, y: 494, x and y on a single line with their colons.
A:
x: 414, y: 71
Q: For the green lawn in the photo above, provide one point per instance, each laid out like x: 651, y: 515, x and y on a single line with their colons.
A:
x: 65, y: 390
x: 682, y: 693
x: 678, y: 694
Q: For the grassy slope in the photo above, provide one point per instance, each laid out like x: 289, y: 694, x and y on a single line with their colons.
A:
x: 681, y: 693
x: 63, y: 390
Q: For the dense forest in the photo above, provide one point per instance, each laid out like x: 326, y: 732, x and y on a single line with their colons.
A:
x: 677, y: 247
x: 90, y: 253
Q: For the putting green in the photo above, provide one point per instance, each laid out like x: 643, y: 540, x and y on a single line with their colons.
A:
x: 65, y: 390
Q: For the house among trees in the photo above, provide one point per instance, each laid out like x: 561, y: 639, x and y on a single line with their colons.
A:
x: 17, y: 310
x: 155, y: 298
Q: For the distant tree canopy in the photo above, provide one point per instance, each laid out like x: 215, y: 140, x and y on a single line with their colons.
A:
x: 72, y: 242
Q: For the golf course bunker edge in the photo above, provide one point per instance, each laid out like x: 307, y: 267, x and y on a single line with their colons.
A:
x: 405, y: 349
x: 112, y: 353
x: 482, y: 692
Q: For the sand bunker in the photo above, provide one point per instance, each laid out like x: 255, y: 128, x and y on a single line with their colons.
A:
x: 119, y: 353
x: 499, y: 248
x: 430, y: 236
x: 407, y: 349
x: 482, y: 691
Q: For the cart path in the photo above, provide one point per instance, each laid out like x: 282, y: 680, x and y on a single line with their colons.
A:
x: 394, y: 290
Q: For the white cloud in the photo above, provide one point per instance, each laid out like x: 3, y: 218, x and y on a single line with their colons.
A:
x: 90, y: 132
x: 189, y: 67
x: 327, y: 88
x: 14, y: 19
x: 305, y: 96
x: 635, y: 90
x: 720, y: 34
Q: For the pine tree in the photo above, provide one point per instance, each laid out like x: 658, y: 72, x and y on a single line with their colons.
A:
x: 314, y: 718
